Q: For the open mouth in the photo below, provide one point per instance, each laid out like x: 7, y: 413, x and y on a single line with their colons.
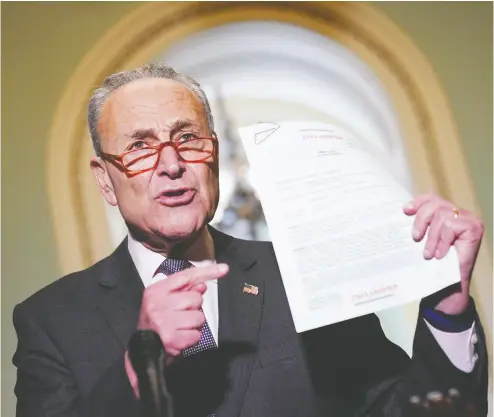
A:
x: 178, y: 197
x: 174, y: 193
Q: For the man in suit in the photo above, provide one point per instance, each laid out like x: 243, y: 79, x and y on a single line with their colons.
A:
x: 230, y: 352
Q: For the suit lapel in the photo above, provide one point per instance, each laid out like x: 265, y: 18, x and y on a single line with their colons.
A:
x: 239, y: 312
x: 239, y: 317
x: 121, y: 294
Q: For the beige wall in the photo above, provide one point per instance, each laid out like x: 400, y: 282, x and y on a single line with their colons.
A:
x: 42, y: 45
x: 456, y: 38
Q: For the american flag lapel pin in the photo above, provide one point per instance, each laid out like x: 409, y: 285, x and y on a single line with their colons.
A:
x: 251, y: 289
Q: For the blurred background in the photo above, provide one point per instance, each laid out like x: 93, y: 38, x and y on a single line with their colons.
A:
x: 257, y: 68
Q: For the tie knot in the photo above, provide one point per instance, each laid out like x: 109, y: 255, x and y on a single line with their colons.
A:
x: 171, y: 266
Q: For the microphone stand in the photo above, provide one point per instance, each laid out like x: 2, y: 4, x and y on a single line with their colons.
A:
x: 148, y: 359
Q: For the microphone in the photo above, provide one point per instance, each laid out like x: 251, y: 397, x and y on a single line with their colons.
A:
x: 148, y: 359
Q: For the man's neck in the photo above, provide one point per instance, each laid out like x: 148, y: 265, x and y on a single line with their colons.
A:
x: 197, y: 247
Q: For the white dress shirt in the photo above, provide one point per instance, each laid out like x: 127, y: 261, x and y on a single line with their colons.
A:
x: 459, y: 347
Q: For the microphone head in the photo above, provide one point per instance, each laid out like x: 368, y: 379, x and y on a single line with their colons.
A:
x: 145, y: 345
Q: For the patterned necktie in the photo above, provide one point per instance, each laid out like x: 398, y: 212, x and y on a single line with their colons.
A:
x: 169, y: 267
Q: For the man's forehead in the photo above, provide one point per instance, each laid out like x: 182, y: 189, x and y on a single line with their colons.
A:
x: 150, y: 103
x: 152, y: 91
x: 149, y: 96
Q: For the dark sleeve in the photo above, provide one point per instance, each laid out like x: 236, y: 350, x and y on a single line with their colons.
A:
x: 396, y: 379
x: 112, y: 395
x: 46, y: 387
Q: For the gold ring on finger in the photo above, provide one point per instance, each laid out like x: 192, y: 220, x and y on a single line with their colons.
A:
x: 456, y: 212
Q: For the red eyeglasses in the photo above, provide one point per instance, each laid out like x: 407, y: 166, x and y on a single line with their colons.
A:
x: 137, y: 161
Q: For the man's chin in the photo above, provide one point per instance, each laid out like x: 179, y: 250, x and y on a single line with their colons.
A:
x: 178, y: 236
x: 184, y: 229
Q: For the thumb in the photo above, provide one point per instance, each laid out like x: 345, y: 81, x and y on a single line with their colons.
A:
x: 199, y: 287
x: 129, y: 369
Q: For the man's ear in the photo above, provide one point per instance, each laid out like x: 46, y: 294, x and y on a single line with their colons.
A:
x: 101, y: 176
x: 216, y: 156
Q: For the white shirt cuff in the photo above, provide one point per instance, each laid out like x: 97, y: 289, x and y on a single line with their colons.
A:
x: 459, y: 347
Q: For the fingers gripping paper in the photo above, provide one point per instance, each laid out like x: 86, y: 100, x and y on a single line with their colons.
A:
x: 335, y: 216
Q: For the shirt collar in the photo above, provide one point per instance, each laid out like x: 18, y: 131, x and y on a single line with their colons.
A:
x: 145, y: 260
x: 148, y: 261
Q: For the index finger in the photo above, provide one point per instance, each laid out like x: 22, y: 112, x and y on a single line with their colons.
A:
x: 418, y: 201
x: 187, y: 278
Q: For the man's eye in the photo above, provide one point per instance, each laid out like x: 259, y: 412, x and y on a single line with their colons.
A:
x: 138, y: 144
x: 188, y: 136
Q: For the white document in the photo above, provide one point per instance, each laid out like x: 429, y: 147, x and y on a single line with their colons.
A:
x: 335, y: 215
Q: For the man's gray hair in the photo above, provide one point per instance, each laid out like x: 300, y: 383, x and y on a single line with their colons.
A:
x: 153, y: 70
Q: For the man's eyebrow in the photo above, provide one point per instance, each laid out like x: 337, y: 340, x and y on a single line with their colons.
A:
x: 143, y: 133
x: 174, y: 127
x: 183, y: 124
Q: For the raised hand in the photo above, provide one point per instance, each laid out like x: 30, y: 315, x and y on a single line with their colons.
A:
x: 172, y: 308
x: 447, y: 226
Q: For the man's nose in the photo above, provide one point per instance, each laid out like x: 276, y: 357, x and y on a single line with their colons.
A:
x: 169, y: 163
